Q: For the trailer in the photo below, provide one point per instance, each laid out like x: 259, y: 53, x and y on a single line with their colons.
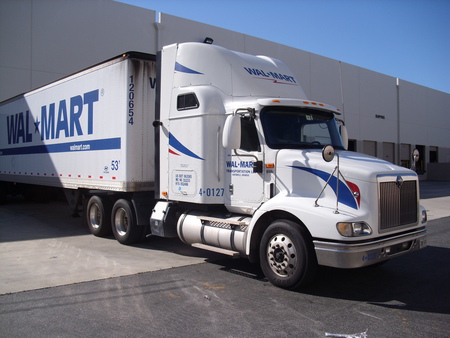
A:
x: 219, y: 148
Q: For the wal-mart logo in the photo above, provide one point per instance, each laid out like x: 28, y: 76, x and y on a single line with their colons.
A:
x: 60, y: 119
x: 276, y: 77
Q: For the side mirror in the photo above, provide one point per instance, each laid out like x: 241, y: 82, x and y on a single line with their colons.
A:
x: 231, y: 137
x: 344, y: 135
x: 328, y: 153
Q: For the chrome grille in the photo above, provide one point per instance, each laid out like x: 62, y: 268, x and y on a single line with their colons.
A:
x: 398, y: 205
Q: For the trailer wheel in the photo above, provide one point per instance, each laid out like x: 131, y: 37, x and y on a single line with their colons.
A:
x: 98, y: 213
x: 124, y: 225
x: 287, y: 256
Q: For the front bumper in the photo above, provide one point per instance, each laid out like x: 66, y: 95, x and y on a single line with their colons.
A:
x: 348, y: 255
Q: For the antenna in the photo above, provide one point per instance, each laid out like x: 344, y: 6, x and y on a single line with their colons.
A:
x: 328, y: 154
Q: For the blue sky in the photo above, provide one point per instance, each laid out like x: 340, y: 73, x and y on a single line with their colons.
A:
x: 408, y: 39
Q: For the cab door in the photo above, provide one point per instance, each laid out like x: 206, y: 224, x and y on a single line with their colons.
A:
x: 244, y: 175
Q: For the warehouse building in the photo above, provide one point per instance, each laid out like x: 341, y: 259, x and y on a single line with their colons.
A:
x: 387, y: 117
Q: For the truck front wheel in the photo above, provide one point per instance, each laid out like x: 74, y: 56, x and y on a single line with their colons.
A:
x: 124, y: 225
x: 98, y: 213
x: 287, y: 257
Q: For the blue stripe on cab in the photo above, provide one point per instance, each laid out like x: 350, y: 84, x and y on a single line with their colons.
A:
x: 180, y: 68
x: 173, y: 142
x: 345, y: 195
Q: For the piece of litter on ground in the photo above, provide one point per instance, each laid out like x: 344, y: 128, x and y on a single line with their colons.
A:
x: 342, y: 335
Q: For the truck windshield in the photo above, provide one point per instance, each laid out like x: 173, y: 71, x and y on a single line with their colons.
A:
x: 298, y: 128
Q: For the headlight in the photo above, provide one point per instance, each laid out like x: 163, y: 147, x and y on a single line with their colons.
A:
x: 353, y: 229
x: 424, y: 216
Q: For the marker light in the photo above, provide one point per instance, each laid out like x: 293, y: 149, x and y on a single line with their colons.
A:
x: 208, y: 40
x: 354, y: 229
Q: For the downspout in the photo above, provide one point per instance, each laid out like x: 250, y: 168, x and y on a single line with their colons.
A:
x: 399, y: 147
x: 342, y: 91
x: 158, y: 27
x: 158, y: 43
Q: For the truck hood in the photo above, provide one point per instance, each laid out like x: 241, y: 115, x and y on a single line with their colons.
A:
x: 352, y: 165
x: 304, y: 173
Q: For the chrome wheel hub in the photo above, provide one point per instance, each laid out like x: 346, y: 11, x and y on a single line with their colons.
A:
x: 282, y: 255
x: 121, y: 221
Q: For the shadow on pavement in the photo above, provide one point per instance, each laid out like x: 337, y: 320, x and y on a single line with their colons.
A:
x: 419, y: 281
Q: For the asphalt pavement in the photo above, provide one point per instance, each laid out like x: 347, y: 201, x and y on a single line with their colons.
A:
x: 162, y: 288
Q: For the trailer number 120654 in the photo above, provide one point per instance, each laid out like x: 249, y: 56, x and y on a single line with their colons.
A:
x: 131, y: 101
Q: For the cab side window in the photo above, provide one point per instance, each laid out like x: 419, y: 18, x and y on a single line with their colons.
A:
x: 187, y: 101
x: 249, y: 135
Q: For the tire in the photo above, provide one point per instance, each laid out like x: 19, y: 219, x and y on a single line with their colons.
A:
x: 287, y: 255
x: 98, y: 213
x: 124, y: 225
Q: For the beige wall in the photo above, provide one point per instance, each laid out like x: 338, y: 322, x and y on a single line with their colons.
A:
x: 42, y: 40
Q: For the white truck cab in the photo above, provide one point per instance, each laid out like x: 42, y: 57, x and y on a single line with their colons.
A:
x: 238, y: 135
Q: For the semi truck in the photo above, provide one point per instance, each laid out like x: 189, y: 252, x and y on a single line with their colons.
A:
x: 219, y: 148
